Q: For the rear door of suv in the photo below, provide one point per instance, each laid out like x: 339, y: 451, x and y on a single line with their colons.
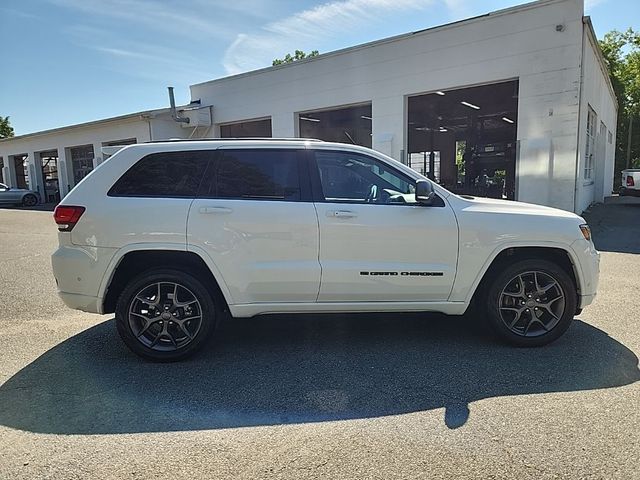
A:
x: 255, y: 218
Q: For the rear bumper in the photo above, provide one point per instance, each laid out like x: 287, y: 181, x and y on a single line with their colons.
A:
x: 85, y: 303
x: 79, y: 271
x: 629, y: 192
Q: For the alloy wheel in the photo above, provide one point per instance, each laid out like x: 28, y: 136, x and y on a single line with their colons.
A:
x: 532, y: 303
x: 165, y: 316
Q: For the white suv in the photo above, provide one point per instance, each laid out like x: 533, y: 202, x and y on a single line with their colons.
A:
x: 169, y: 235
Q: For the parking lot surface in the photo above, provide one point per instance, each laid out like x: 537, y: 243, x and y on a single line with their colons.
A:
x: 323, y: 396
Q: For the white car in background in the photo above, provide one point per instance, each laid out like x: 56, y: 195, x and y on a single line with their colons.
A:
x: 170, y: 234
x: 630, y: 183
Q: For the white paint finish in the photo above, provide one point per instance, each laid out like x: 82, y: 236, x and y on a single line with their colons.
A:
x: 252, y: 309
x: 267, y: 256
x: 79, y: 269
x: 387, y: 239
x: 488, y: 227
x: 266, y: 251
x: 114, y: 222
x: 64, y: 171
x: 597, y: 94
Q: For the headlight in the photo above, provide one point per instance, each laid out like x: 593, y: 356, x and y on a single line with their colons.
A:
x: 586, y: 232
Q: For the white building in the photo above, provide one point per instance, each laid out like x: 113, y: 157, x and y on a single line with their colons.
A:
x: 514, y: 104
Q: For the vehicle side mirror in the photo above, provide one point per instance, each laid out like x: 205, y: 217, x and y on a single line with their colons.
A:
x: 424, y: 193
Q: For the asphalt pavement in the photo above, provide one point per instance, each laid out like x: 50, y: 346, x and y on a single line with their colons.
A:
x: 319, y: 396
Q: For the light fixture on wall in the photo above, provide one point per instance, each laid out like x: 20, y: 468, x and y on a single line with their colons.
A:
x: 442, y: 94
x: 365, y: 117
x: 470, y: 105
x: 442, y: 129
x: 309, y: 119
x: 508, y: 120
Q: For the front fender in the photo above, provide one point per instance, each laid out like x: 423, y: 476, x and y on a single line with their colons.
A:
x: 468, y: 279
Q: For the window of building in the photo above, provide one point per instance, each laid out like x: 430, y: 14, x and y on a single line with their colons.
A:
x: 345, y: 125
x: 592, y: 120
x: 167, y: 174
x: 610, y: 137
x: 1, y: 170
x: 268, y: 174
x: 422, y: 162
x: 465, y: 139
x: 354, y: 178
x: 82, y: 161
x: 248, y: 129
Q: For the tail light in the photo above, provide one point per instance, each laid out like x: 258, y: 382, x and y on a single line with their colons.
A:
x: 67, y: 216
x: 630, y: 182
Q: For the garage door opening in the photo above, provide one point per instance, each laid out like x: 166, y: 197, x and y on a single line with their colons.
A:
x: 345, y: 125
x: 248, y: 129
x: 49, y: 163
x: 21, y: 167
x: 465, y: 139
x: 82, y: 161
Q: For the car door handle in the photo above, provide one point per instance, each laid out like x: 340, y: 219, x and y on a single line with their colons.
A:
x: 209, y: 210
x: 341, y: 214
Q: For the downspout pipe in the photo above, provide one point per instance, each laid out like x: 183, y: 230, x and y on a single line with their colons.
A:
x: 174, y: 113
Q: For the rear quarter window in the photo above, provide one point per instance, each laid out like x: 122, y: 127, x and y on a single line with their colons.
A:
x: 163, y: 174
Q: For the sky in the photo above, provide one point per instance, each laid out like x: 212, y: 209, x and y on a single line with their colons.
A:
x: 64, y: 62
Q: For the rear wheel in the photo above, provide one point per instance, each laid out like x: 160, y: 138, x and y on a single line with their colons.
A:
x: 531, y: 303
x: 165, y: 315
x: 29, y: 200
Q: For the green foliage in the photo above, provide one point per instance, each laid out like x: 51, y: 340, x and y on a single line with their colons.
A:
x: 298, y: 55
x: 6, y: 130
x: 622, y: 54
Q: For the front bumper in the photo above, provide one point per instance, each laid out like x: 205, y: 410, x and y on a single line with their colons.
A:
x: 588, y: 263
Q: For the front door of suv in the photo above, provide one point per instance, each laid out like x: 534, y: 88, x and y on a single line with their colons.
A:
x: 255, y: 218
x: 376, y: 243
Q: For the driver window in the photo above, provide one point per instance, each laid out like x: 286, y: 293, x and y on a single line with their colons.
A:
x: 354, y: 178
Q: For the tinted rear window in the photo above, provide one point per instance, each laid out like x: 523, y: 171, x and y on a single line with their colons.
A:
x: 267, y: 174
x: 166, y: 174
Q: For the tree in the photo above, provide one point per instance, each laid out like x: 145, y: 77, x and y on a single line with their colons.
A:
x: 298, y: 55
x: 622, y: 54
x: 6, y: 130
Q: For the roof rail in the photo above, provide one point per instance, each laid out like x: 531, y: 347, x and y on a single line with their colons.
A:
x: 271, y: 139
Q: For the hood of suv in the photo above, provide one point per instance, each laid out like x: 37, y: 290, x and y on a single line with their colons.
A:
x: 492, y: 205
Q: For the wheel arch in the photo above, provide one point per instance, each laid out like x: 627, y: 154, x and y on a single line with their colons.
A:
x: 135, y: 261
x: 559, y: 255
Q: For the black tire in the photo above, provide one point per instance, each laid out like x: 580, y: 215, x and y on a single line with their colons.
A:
x: 167, y: 349
x: 552, y: 317
x: 29, y: 200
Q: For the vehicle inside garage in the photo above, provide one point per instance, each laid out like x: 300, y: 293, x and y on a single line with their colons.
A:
x: 465, y: 139
x: 344, y: 125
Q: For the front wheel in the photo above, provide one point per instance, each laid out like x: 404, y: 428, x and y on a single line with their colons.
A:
x: 531, y: 303
x: 165, y: 315
x: 29, y: 200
